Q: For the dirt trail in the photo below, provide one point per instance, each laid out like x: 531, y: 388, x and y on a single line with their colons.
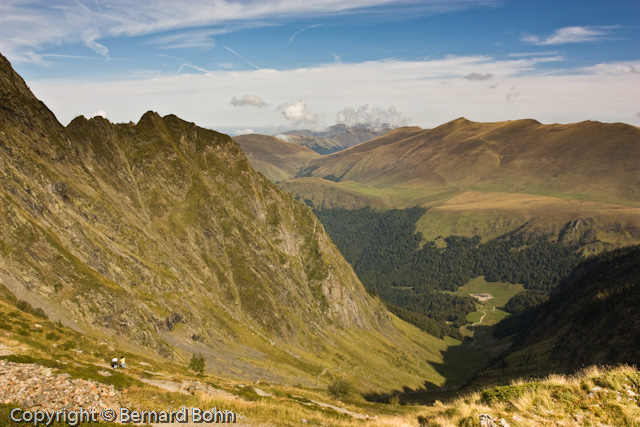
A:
x: 479, y: 322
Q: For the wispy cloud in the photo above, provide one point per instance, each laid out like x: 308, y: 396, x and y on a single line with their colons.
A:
x: 29, y: 26
x: 572, y: 35
x: 243, y: 58
x: 89, y: 38
x: 184, y: 63
x: 55, y: 55
x: 512, y: 95
x: 294, y: 35
x: 252, y: 100
x: 200, y: 39
x: 529, y: 54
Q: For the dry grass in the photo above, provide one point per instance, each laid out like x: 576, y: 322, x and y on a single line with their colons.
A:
x: 594, y: 396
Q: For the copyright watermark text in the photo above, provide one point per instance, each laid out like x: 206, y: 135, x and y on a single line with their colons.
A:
x: 123, y: 415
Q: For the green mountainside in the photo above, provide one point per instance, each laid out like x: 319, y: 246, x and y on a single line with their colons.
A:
x: 160, y: 237
x: 422, y: 215
x: 274, y: 158
x: 521, y: 156
x: 591, y: 318
x: 489, y: 179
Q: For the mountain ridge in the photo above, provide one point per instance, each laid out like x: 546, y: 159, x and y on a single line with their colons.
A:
x: 160, y: 236
x: 482, y: 155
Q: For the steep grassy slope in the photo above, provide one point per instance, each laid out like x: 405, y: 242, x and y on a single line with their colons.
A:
x: 275, y: 158
x: 592, y: 397
x: 160, y: 236
x: 591, y: 318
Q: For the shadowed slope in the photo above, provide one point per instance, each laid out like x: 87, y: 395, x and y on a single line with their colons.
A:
x: 591, y: 319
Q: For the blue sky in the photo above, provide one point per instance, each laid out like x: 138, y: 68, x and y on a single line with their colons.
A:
x: 243, y: 66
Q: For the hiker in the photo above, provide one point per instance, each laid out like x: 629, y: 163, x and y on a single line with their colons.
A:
x: 122, y: 362
x: 114, y: 362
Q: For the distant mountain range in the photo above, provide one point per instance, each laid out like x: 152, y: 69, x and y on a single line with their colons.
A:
x: 334, y: 139
x: 486, y: 178
x: 511, y: 202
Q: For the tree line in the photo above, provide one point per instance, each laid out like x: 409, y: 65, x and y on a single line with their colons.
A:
x: 392, y: 261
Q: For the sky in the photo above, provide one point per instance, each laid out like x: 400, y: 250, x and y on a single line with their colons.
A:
x: 244, y: 66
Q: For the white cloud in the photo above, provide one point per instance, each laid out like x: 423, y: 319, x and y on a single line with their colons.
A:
x: 297, y: 113
x: 246, y: 131
x: 375, y: 118
x: 100, y: 113
x: 287, y: 138
x: 243, y: 58
x: 253, y: 100
x: 572, y: 35
x: 605, y: 92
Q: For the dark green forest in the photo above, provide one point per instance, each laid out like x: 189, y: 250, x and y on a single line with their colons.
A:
x: 392, y: 261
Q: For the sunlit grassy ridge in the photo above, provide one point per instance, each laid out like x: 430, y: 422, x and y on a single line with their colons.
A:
x: 488, y: 179
x: 160, y: 236
x: 592, y: 397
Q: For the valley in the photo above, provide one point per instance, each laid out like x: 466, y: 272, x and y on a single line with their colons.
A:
x: 424, y: 213
x: 392, y: 283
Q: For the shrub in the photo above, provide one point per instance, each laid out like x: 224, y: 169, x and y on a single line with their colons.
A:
x: 197, y: 364
x: 340, y: 388
x: 394, y: 400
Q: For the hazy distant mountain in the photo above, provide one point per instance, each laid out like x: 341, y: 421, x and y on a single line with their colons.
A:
x: 336, y: 138
x: 159, y: 235
x: 491, y: 178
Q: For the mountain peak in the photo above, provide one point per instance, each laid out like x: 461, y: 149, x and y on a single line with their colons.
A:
x: 161, y: 236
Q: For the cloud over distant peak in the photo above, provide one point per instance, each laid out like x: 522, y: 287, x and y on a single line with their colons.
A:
x: 100, y: 113
x: 297, y: 113
x: 478, y: 77
x: 247, y: 131
x: 572, y: 35
x: 252, y: 100
x: 374, y: 118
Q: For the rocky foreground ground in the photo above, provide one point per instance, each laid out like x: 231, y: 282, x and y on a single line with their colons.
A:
x: 36, y: 387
